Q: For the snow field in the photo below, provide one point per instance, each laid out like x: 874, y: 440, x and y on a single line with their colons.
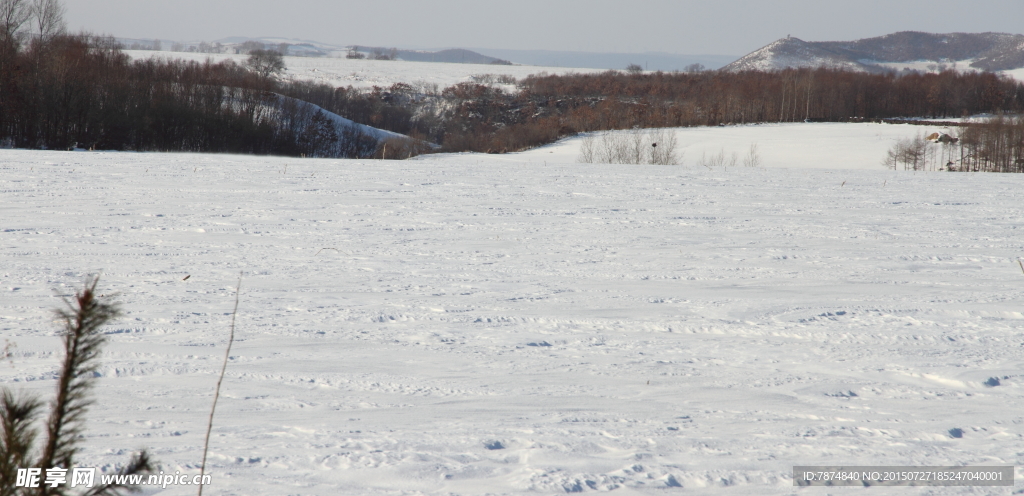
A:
x: 842, y: 146
x: 362, y: 73
x: 472, y: 324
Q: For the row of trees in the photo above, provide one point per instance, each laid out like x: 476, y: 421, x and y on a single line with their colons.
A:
x: 709, y: 98
x: 23, y: 18
x: 483, y: 118
x: 64, y: 91
x: 476, y: 117
x: 995, y: 145
x: 376, y: 53
x: 60, y: 91
x: 920, y: 154
x: 652, y: 146
x: 989, y: 145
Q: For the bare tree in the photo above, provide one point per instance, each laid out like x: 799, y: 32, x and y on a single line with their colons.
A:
x: 13, y: 15
x: 753, y: 157
x: 49, y: 17
x: 663, y: 147
x: 586, y: 150
x: 635, y: 146
x: 266, y: 63
x: 634, y: 69
x: 913, y: 153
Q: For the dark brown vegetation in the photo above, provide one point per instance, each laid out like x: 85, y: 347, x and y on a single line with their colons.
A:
x: 82, y: 91
x: 480, y: 118
x: 992, y: 146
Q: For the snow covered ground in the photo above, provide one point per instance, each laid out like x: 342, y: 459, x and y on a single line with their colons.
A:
x: 933, y: 66
x: 1017, y: 74
x: 369, y: 73
x: 789, y: 145
x: 476, y: 324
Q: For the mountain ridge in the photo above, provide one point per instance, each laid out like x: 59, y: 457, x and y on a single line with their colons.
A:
x: 985, y: 51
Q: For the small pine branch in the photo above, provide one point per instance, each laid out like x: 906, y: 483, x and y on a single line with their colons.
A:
x: 17, y: 438
x: 85, y: 314
x: 139, y: 464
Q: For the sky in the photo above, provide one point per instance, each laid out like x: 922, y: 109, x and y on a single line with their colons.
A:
x: 723, y: 27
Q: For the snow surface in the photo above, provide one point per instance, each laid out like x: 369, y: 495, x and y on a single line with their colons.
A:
x: 789, y: 145
x: 926, y: 65
x: 932, y: 66
x: 472, y: 324
x: 1017, y: 74
x: 368, y: 73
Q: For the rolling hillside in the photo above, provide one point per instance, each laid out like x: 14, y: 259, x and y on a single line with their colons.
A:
x: 978, y: 51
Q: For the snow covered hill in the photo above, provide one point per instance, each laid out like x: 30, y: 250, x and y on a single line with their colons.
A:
x: 919, y: 51
x: 476, y: 324
x: 793, y: 53
x: 985, y: 51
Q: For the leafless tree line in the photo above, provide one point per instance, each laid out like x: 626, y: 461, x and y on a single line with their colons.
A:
x: 635, y: 146
x: 44, y: 18
x: 480, y: 118
x: 989, y: 145
x: 82, y: 92
x: 725, y: 160
x: 919, y: 154
x: 995, y: 145
x: 61, y: 91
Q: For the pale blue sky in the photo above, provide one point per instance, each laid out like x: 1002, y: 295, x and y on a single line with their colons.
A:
x: 730, y: 27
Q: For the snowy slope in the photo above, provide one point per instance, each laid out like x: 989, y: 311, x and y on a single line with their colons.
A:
x: 341, y: 123
x: 793, y: 53
x: 471, y: 324
x: 925, y: 52
x: 369, y: 73
x: 1017, y: 74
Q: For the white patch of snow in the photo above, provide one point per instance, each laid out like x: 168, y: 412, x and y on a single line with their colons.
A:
x: 790, y: 145
x: 469, y: 324
x: 368, y: 73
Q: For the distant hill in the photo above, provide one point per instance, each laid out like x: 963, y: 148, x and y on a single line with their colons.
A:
x: 450, y: 55
x: 981, y: 51
x: 794, y: 53
x: 654, y: 61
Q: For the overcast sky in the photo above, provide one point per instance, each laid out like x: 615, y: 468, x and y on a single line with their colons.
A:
x: 726, y: 27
